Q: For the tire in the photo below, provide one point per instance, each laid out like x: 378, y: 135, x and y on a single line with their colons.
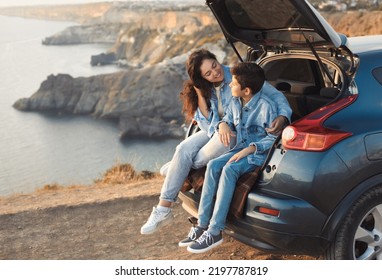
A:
x: 360, y: 234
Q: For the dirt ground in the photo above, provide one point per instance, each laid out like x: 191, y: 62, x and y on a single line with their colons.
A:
x: 101, y: 223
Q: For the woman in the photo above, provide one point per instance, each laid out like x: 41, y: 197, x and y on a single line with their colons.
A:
x: 206, y: 96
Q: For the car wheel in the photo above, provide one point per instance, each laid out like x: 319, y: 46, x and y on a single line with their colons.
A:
x: 360, y: 234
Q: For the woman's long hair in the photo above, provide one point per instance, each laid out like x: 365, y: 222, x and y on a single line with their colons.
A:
x: 188, y: 94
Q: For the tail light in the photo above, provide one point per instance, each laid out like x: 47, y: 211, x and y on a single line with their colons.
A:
x: 309, y: 134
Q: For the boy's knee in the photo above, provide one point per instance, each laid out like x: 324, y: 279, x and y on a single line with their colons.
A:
x: 213, y: 164
x: 230, y: 170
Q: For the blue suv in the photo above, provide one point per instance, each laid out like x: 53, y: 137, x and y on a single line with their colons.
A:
x: 320, y: 191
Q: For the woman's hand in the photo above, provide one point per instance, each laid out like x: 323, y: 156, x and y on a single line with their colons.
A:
x: 198, y: 92
x: 225, y: 134
x: 243, y: 153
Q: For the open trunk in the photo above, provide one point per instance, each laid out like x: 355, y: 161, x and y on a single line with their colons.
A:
x: 300, y: 79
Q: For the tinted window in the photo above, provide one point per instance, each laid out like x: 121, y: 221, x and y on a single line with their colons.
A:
x: 255, y: 15
x: 290, y: 69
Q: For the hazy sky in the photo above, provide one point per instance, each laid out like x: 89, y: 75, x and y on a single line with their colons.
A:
x: 44, y: 2
x: 4, y: 3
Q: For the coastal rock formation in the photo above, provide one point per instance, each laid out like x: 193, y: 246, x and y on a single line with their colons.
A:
x: 144, y: 32
x: 144, y: 101
x: 85, y: 34
x: 152, y: 42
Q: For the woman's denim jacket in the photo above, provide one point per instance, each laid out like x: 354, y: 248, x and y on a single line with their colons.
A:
x: 262, y: 111
x: 209, y: 124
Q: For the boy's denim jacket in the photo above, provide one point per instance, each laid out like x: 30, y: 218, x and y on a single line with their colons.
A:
x: 209, y: 124
x: 262, y: 111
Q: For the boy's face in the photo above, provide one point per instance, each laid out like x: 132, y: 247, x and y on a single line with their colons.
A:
x: 236, y: 89
x: 212, y: 71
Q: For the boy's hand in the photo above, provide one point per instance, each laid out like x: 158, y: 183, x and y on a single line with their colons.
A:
x: 225, y: 134
x: 277, y: 125
x: 243, y: 153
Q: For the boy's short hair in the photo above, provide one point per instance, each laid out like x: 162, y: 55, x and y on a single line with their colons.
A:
x: 249, y: 74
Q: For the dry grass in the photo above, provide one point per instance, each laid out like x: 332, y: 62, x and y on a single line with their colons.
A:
x: 119, y: 174
x: 123, y: 173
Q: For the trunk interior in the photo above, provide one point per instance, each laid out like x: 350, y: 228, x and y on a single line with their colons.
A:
x: 303, y: 83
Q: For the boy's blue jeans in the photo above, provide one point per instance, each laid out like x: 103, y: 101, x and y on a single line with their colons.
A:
x: 220, y: 179
x: 193, y: 152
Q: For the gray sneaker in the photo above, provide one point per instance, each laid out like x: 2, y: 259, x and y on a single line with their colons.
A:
x: 157, y: 220
x: 205, y: 242
x: 194, y: 234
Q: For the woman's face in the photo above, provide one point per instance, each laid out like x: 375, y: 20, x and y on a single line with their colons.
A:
x: 212, y: 71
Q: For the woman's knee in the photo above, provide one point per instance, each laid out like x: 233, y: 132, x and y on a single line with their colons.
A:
x: 183, y: 148
x: 200, y: 162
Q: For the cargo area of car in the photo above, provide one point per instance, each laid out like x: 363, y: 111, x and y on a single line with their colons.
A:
x: 303, y: 83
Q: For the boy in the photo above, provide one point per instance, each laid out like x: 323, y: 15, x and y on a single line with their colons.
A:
x: 249, y: 115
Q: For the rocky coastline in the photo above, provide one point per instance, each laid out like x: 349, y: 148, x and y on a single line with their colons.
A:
x: 151, y: 110
x: 150, y: 41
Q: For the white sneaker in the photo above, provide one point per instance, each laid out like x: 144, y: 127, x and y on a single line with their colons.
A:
x: 157, y: 220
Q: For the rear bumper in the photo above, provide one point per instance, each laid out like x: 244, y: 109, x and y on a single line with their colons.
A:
x: 275, y: 241
x: 292, y: 232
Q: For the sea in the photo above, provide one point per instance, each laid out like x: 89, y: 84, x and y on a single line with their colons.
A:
x: 38, y: 149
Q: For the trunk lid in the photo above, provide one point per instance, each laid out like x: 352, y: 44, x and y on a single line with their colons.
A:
x: 275, y: 23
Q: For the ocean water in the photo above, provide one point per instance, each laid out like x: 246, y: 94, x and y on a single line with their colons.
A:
x: 38, y: 149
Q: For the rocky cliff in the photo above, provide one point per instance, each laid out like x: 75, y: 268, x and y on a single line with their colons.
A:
x: 152, y: 41
x: 144, y: 32
x: 139, y: 99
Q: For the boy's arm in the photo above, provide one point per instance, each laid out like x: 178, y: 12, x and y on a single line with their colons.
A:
x: 255, y: 147
x: 264, y: 144
x: 243, y: 153
x: 278, y: 125
x: 283, y: 108
x: 284, y: 111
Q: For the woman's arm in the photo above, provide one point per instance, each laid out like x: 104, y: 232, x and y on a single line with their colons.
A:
x: 202, y: 103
